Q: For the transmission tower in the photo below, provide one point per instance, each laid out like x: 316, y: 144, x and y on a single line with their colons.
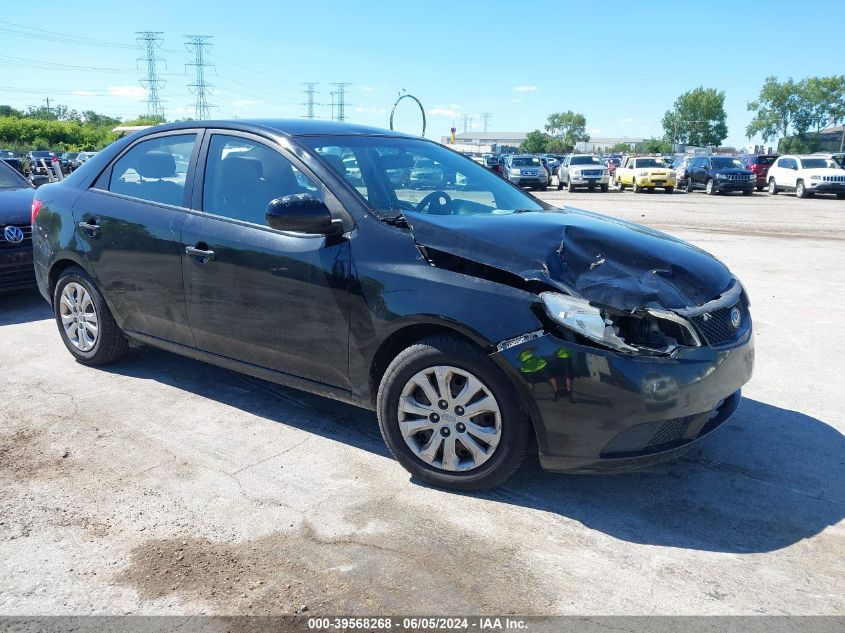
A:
x: 485, y: 120
x: 467, y: 122
x: 150, y: 41
x: 341, y: 101
x: 198, y: 45
x: 309, y: 96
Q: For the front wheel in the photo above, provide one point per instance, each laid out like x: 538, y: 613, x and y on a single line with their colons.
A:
x: 801, y: 190
x: 449, y: 415
x: 710, y: 187
x: 635, y: 187
x: 85, y: 322
x: 773, y: 187
x: 569, y: 187
x: 620, y: 185
x: 747, y: 192
x: 604, y: 188
x: 689, y: 186
x: 669, y: 190
x: 559, y: 184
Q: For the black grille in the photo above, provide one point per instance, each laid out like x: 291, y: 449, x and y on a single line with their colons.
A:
x: 647, y: 437
x: 716, y: 326
x: 669, y: 431
x: 27, y: 236
x: 17, y: 275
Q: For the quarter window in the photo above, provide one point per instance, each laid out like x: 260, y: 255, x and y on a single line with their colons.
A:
x: 242, y: 176
x: 155, y: 170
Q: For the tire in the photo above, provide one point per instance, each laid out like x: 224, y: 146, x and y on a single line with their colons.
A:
x: 840, y: 196
x: 747, y: 192
x: 690, y: 188
x: 454, y: 355
x: 635, y: 187
x: 760, y: 187
x: 569, y: 186
x: 604, y: 188
x: 710, y: 187
x: 76, y: 298
x: 559, y: 184
x: 801, y: 190
x: 669, y: 190
x: 773, y: 187
x: 620, y: 185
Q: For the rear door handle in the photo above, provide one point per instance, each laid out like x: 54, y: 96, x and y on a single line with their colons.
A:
x: 89, y: 227
x: 199, y: 253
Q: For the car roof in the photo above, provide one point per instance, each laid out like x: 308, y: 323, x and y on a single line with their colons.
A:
x: 285, y: 127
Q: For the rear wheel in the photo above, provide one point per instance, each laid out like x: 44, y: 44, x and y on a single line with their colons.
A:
x: 773, y: 187
x: 449, y: 415
x: 800, y: 190
x: 85, y: 322
x: 760, y: 187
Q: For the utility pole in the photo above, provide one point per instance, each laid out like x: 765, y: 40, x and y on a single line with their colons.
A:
x: 48, y: 105
x: 332, y: 94
x: 309, y: 95
x: 150, y: 41
x: 485, y: 120
x: 197, y: 44
x: 341, y: 101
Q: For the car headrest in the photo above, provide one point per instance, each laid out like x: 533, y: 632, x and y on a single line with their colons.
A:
x: 156, y: 165
x: 244, y: 168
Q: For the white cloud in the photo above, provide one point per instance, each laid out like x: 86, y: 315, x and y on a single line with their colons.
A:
x: 359, y: 109
x: 455, y: 106
x: 127, y: 91
x: 441, y: 111
x: 525, y: 88
x: 83, y: 93
x: 245, y: 103
x: 595, y: 130
x: 627, y: 119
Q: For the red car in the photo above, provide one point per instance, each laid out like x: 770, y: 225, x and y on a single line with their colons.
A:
x: 759, y: 164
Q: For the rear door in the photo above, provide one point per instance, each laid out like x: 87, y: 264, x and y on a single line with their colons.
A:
x: 254, y: 294
x: 129, y: 225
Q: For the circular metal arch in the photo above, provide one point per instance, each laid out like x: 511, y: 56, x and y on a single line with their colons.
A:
x: 408, y: 96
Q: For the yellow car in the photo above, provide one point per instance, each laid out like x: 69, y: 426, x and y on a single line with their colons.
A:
x: 642, y: 172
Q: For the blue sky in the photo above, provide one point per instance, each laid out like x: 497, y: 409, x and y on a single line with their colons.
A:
x: 618, y: 64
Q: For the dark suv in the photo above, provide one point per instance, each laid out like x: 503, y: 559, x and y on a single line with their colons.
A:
x: 475, y: 322
x: 16, y: 192
x: 759, y: 164
x: 719, y: 174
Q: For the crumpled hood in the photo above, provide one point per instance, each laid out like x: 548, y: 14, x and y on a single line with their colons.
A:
x: 604, y: 260
x: 16, y: 206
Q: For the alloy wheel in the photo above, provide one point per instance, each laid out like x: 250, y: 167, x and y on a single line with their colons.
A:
x: 449, y: 418
x: 79, y: 317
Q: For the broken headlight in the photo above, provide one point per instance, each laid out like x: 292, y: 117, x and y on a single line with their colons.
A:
x: 649, y: 331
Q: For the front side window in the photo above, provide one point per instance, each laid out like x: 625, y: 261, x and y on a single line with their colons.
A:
x: 396, y: 175
x: 155, y: 170
x: 242, y: 176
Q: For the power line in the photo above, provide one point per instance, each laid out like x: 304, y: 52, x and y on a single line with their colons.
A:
x: 198, y: 45
x: 151, y: 41
x: 309, y: 103
x: 485, y: 120
x: 341, y: 100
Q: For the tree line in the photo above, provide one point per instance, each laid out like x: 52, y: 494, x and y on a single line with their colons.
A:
x: 60, y: 128
x: 792, y: 111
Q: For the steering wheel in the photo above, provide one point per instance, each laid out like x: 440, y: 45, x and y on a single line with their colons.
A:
x: 438, y: 203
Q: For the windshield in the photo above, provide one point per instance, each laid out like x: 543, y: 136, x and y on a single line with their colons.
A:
x: 725, y: 163
x: 526, y: 161
x: 10, y: 178
x: 650, y: 162
x: 817, y: 163
x: 584, y: 160
x: 390, y: 178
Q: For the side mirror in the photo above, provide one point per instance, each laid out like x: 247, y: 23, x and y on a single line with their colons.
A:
x: 38, y: 180
x: 302, y: 213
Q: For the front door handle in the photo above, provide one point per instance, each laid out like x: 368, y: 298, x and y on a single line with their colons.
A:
x: 199, y: 253
x: 89, y: 227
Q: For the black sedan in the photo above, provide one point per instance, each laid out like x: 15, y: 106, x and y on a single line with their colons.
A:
x: 475, y: 322
x: 16, y: 194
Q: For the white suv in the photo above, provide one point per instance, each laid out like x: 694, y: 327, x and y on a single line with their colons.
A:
x: 806, y: 175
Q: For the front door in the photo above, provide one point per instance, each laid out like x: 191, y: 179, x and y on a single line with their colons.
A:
x: 272, y: 299
x: 129, y: 227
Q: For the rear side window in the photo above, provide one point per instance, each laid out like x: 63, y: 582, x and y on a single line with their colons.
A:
x: 155, y: 170
x: 242, y: 176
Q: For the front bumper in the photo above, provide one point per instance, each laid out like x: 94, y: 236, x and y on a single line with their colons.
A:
x: 524, y: 181
x: 600, y: 411
x: 586, y: 181
x: 16, y: 268
x: 821, y: 186
x: 649, y: 181
x: 735, y: 185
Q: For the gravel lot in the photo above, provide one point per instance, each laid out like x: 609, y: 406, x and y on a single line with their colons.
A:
x: 165, y: 486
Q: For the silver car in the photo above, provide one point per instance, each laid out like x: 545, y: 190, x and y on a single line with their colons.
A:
x: 582, y: 170
x: 527, y: 171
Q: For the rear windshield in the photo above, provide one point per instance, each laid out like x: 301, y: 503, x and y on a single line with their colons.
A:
x: 765, y: 160
x: 584, y: 160
x: 526, y: 161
